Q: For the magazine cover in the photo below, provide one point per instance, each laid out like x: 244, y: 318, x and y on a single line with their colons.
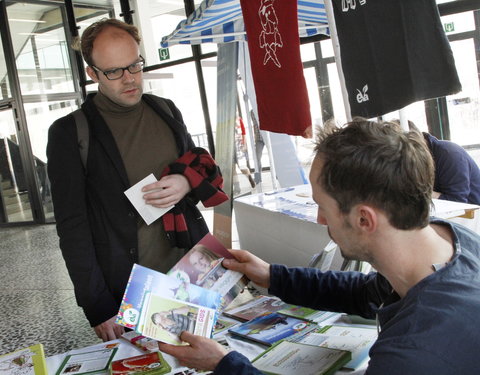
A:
x: 164, y: 319
x: 270, y: 328
x: 202, y: 266
x: 151, y: 364
x: 357, y: 340
x: 260, y: 305
x: 27, y: 361
x: 87, y: 362
x: 288, y: 358
x: 146, y: 290
x: 144, y: 343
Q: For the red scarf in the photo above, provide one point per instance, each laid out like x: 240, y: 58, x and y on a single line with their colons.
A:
x: 206, y: 182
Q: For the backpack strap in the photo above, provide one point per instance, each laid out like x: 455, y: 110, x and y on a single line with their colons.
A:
x: 82, y: 135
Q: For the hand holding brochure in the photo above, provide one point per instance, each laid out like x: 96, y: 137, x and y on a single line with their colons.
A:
x: 161, y: 307
x: 202, y: 266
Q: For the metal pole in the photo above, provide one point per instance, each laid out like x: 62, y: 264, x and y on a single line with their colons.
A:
x: 338, y: 59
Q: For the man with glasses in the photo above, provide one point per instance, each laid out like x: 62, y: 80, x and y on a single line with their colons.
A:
x: 130, y: 135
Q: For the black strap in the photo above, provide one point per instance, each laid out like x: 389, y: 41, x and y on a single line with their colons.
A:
x: 82, y: 135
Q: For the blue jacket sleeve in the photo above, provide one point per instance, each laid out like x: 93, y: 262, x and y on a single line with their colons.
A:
x: 235, y: 363
x: 347, y: 292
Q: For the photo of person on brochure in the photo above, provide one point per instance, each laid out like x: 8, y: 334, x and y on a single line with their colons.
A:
x: 176, y: 320
x: 207, y: 263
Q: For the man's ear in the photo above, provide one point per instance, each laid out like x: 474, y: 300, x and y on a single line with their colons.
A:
x: 92, y: 74
x: 366, y: 218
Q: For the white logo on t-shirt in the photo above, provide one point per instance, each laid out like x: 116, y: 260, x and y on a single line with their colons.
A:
x: 351, y: 4
x: 362, y: 96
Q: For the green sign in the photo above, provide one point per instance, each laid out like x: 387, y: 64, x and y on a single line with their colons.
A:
x: 449, y: 27
x: 164, y: 54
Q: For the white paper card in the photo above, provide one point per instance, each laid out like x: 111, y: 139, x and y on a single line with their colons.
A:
x: 146, y: 211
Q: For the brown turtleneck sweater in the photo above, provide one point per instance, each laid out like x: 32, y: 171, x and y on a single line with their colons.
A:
x: 147, y: 145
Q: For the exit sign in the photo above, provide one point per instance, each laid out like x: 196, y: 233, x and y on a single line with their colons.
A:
x: 164, y: 54
x: 449, y: 27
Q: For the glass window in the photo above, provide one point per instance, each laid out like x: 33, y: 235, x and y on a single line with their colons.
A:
x: 327, y: 48
x: 85, y: 17
x: 164, y: 18
x: 414, y: 112
x: 458, y: 23
x: 40, y: 48
x: 463, y: 107
x: 14, y: 199
x: 39, y: 118
x: 179, y: 83
x: 5, y: 91
x: 307, y: 52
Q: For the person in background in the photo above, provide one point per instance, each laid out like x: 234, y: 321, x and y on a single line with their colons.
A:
x: 131, y: 135
x: 373, y: 186
x: 457, y: 175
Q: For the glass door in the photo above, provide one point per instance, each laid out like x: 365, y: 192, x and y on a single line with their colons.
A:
x: 14, y: 198
x: 45, y: 80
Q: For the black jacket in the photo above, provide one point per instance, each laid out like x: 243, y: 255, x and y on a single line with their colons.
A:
x: 96, y: 223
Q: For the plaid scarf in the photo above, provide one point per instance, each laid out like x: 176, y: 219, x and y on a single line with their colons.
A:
x: 206, y: 182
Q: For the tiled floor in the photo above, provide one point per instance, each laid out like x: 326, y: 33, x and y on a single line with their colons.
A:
x: 36, y: 294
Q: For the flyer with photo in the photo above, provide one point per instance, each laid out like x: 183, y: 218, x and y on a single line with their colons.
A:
x: 288, y: 358
x: 270, y: 328
x: 26, y: 361
x: 89, y: 362
x: 202, y: 266
x: 148, y: 290
x: 164, y: 319
x: 260, y: 305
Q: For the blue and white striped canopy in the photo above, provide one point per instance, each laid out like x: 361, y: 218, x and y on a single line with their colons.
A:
x: 221, y: 21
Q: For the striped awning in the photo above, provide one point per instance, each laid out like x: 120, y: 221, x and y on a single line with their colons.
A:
x: 221, y: 21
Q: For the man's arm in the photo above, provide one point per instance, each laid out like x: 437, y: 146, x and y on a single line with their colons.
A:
x: 349, y: 292
x: 67, y: 179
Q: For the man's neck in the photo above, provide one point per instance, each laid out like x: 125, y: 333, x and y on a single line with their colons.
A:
x: 407, y: 257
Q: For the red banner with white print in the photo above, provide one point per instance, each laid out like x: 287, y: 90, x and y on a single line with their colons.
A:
x: 277, y: 70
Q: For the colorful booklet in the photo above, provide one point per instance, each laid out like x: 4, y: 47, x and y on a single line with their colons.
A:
x: 357, y: 340
x: 202, y: 266
x: 144, y: 343
x: 223, y: 325
x: 161, y: 307
x: 306, y: 313
x: 27, y: 361
x: 150, y: 363
x: 270, y: 328
x: 260, y: 305
x: 288, y: 358
x: 88, y: 362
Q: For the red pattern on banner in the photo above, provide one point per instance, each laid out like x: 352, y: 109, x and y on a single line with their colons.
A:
x: 277, y: 70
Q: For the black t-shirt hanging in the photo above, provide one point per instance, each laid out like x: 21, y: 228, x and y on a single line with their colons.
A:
x: 393, y: 52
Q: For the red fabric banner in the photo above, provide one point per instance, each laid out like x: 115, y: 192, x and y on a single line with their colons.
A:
x: 277, y: 70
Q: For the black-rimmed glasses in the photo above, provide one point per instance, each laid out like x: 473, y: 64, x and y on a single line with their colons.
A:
x: 117, y: 73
